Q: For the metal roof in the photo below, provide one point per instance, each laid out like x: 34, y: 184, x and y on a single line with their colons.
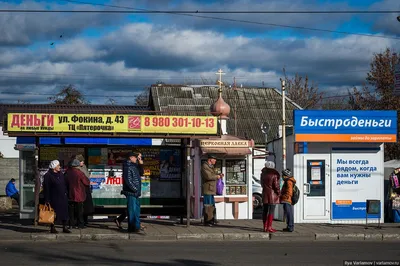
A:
x: 254, y: 106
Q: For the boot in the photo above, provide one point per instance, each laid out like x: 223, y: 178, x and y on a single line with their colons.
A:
x: 265, y: 223
x: 65, y: 229
x: 270, y: 219
x: 53, y: 229
x: 215, y: 221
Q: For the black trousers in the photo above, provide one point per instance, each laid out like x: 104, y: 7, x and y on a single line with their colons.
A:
x: 268, y: 209
x: 16, y: 197
x: 76, y: 213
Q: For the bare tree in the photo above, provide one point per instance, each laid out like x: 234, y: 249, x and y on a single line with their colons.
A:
x: 142, y: 99
x: 69, y: 95
x: 380, y: 96
x: 299, y: 89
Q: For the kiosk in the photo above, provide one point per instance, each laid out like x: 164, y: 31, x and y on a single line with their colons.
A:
x: 339, y: 164
x: 104, y: 139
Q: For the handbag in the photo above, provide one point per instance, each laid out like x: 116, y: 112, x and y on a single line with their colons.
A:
x: 46, y: 214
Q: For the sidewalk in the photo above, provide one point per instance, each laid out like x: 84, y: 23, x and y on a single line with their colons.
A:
x: 13, y: 229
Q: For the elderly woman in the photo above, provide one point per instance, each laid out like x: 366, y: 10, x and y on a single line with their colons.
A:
x: 55, y: 193
x: 76, y: 183
x: 88, y: 208
x: 271, y: 193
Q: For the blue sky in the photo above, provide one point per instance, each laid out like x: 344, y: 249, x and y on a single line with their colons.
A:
x: 99, y: 53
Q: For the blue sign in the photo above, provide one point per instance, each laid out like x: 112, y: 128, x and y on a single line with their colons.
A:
x: 355, y: 210
x: 345, y: 126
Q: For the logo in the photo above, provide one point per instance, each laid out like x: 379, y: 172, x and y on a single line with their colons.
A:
x: 134, y: 123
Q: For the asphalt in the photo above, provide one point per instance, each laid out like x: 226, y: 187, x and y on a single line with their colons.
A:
x: 193, y: 253
x: 12, y: 229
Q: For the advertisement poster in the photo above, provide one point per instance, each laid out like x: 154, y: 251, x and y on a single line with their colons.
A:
x: 151, y: 161
x: 170, y: 167
x: 105, y: 185
x: 356, y: 177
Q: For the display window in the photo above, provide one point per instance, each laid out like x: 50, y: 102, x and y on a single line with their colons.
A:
x: 236, y: 180
x: 162, y: 171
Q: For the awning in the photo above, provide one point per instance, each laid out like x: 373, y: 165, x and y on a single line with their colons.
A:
x: 226, y: 145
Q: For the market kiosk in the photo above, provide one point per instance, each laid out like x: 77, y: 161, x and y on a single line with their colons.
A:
x: 104, y: 140
x: 339, y: 165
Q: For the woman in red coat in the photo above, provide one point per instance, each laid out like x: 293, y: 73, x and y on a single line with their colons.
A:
x: 271, y: 193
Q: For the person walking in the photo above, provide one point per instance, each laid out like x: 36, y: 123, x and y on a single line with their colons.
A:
x: 88, y: 208
x: 55, y: 194
x: 286, y: 199
x: 132, y: 189
x: 76, y: 184
x: 209, y: 188
x: 12, y: 191
x: 271, y: 193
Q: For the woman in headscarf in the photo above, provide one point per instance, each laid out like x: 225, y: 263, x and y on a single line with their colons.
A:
x: 88, y: 208
x: 55, y: 193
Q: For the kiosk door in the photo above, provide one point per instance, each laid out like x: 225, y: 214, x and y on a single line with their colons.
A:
x: 316, y: 187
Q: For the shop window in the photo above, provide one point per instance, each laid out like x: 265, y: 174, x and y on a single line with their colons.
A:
x: 62, y: 154
x: 236, y: 177
x: 162, y: 171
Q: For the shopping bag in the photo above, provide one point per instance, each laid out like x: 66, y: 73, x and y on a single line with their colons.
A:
x: 208, y: 213
x: 46, y: 214
x: 220, y: 187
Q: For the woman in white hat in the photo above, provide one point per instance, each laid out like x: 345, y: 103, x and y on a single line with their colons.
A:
x: 55, y: 193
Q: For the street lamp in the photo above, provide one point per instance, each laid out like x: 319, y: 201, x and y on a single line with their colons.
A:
x: 265, y: 130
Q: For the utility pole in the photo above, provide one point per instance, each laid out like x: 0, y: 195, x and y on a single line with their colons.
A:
x: 283, y: 125
x: 234, y: 88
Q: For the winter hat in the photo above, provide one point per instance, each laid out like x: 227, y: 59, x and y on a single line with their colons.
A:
x: 270, y: 164
x: 287, y: 173
x: 75, y: 163
x: 53, y: 164
x: 80, y: 158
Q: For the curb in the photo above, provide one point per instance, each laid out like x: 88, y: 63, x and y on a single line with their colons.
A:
x: 322, y: 237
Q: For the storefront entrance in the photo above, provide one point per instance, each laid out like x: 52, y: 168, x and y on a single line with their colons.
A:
x: 316, y: 187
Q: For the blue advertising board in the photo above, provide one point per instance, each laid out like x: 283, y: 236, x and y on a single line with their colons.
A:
x: 345, y: 126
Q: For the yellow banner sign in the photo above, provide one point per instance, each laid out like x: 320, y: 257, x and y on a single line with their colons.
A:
x: 95, y: 123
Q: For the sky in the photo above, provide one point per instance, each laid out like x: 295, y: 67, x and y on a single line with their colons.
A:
x: 116, y: 56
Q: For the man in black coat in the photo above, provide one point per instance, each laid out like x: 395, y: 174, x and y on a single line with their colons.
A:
x: 132, y: 189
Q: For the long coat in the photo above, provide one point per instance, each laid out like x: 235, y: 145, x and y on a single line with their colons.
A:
x: 270, y: 184
x: 209, y: 179
x: 76, y: 183
x: 88, y: 207
x: 55, y: 193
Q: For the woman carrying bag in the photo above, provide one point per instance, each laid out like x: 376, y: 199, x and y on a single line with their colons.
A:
x: 55, y: 194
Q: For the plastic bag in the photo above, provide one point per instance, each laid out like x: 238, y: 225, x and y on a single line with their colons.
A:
x: 220, y: 187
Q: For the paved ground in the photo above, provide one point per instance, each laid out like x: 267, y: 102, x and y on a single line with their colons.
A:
x: 11, y: 228
x: 193, y: 253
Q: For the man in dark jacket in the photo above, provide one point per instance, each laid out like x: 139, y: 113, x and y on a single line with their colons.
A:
x: 271, y: 193
x: 132, y: 189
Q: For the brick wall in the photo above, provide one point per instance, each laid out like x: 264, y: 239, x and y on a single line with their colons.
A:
x: 9, y: 168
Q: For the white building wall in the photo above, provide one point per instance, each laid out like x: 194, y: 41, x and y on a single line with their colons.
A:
x: 7, y: 145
